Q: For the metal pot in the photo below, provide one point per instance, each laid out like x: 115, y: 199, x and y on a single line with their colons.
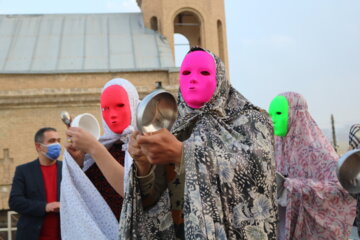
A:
x: 157, y: 110
x: 348, y: 171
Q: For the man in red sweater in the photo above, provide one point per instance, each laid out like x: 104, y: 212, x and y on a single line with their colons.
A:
x: 35, y: 190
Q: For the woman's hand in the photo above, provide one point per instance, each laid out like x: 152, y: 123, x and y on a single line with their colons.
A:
x: 81, y: 140
x: 110, y: 168
x: 142, y: 163
x: 161, y: 147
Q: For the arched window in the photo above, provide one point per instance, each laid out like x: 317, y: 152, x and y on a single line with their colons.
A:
x: 220, y: 33
x: 154, y: 23
x: 181, y: 47
x: 188, y: 24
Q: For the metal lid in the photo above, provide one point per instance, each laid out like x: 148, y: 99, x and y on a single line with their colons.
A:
x: 156, y: 111
x: 348, y: 171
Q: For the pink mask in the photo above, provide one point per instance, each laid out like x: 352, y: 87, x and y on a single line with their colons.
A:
x: 115, y: 108
x: 197, y: 78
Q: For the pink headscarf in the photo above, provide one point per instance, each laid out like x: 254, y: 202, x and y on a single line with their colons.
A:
x: 317, y: 206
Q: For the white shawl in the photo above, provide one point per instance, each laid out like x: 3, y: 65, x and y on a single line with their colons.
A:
x: 84, y: 213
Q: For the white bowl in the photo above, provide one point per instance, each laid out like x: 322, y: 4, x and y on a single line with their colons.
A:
x: 87, y: 122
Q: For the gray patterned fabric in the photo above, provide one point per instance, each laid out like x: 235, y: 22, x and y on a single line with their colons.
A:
x: 354, y: 136
x: 153, y: 224
x: 229, y: 168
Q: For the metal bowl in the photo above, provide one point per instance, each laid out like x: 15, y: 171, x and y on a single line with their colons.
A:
x: 348, y: 171
x: 280, y: 179
x: 157, y: 110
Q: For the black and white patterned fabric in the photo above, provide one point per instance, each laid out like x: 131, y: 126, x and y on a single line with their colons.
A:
x: 136, y: 223
x: 354, y: 136
x: 229, y: 166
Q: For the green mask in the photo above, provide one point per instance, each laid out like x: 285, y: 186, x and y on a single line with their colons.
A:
x: 279, y: 112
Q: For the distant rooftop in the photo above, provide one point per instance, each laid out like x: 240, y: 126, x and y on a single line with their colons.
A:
x: 65, y: 43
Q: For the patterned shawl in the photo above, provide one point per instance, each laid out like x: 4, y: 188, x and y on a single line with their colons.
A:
x: 84, y: 214
x: 317, y: 206
x: 229, y: 168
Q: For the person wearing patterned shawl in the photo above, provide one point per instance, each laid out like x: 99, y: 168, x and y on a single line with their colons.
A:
x: 217, y: 165
x: 92, y: 196
x: 354, y: 143
x: 313, y: 205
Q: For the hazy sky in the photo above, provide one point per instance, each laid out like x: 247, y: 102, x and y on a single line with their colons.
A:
x: 308, y: 46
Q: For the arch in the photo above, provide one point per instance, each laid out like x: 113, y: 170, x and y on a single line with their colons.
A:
x: 189, y: 23
x: 188, y: 9
x: 181, y: 47
x: 154, y: 23
x: 220, y: 33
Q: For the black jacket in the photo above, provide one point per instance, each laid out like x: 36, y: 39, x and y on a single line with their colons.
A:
x: 27, y: 197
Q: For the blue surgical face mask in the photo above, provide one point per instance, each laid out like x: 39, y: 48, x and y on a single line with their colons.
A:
x: 53, y: 150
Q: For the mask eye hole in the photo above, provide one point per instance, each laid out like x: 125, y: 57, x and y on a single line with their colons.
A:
x: 205, y: 73
x: 120, y: 105
x: 278, y: 113
x: 186, y: 72
x: 104, y: 108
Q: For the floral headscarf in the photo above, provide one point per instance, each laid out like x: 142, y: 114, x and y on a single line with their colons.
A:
x: 317, y: 206
x: 229, y: 166
x: 229, y: 169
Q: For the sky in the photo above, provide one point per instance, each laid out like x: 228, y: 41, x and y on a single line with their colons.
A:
x: 310, y: 46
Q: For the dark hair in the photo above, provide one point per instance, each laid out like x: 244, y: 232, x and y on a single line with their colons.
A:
x: 39, y: 135
x: 196, y: 48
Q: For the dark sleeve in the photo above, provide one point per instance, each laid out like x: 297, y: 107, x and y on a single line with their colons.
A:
x: 152, y: 186
x: 18, y: 200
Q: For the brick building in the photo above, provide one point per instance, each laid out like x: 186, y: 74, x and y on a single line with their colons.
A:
x: 55, y: 62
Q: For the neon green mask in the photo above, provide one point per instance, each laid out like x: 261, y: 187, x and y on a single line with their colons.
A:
x: 279, y: 112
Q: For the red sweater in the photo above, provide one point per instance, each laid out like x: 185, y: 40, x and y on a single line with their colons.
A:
x: 51, y: 226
